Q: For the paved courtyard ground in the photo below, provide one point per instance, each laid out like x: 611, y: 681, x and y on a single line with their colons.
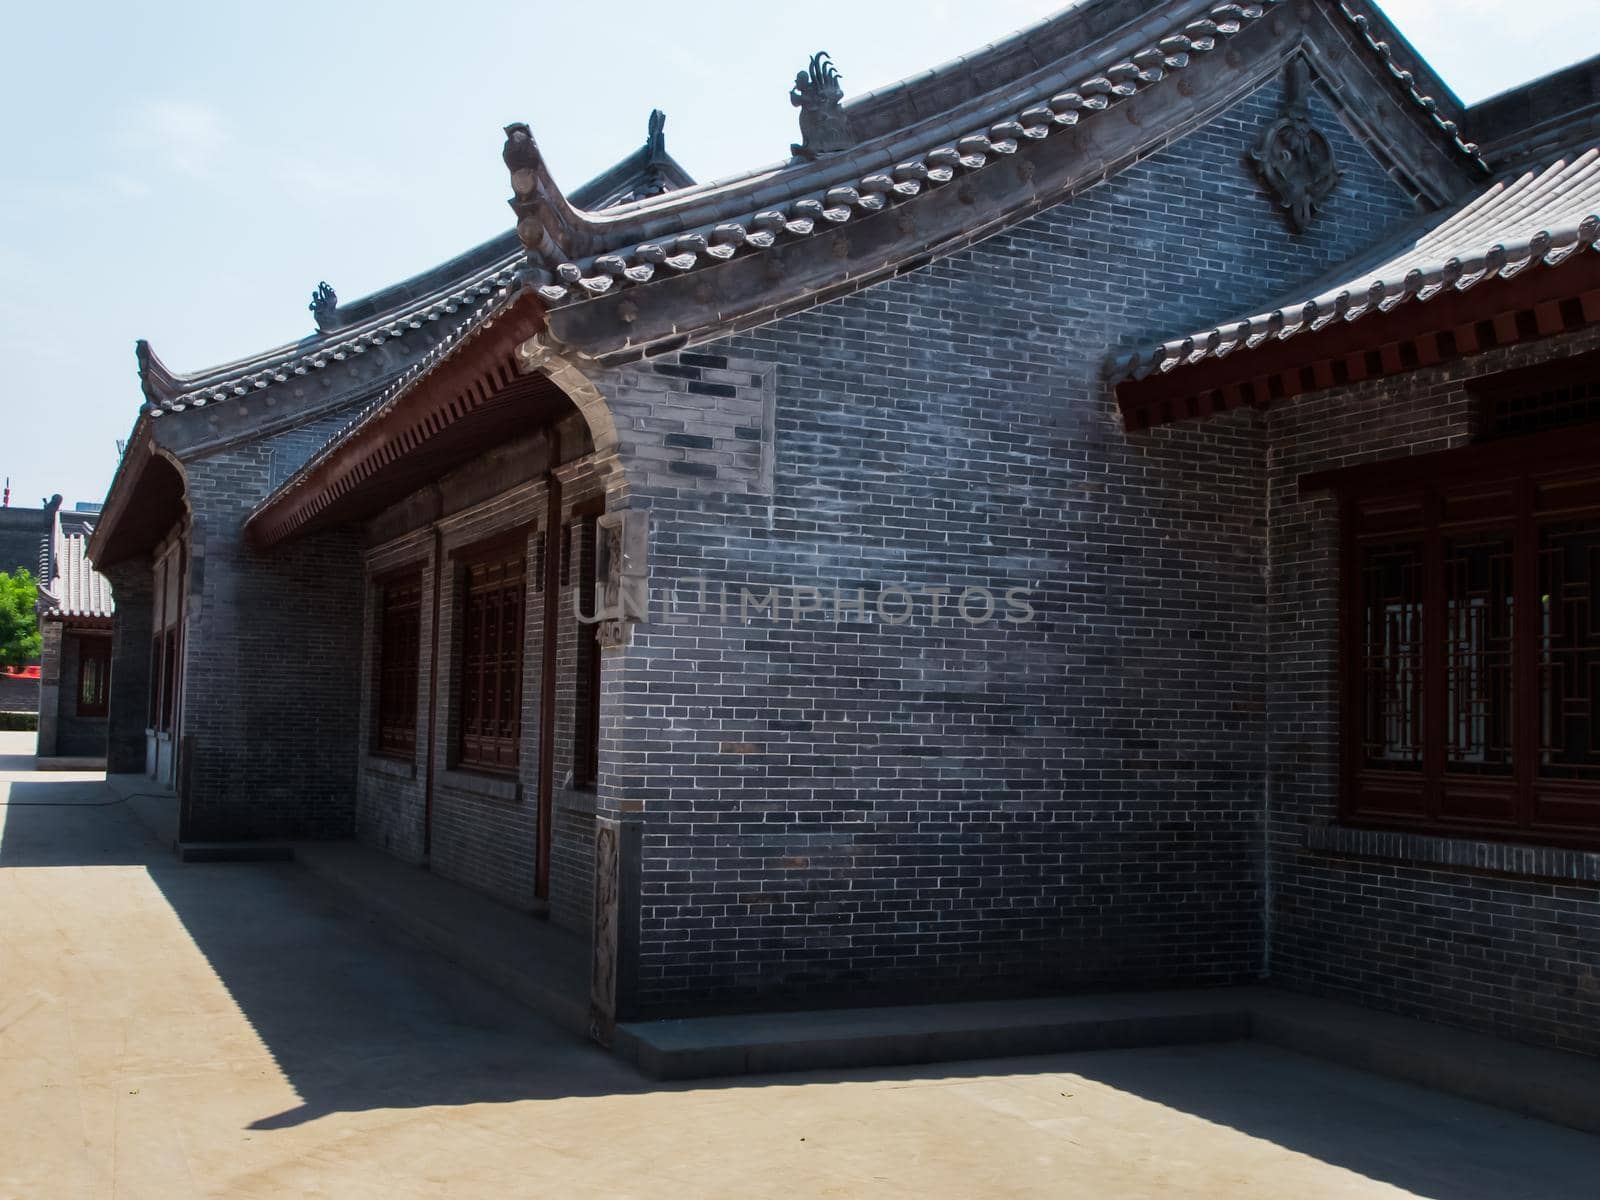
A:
x: 174, y: 1030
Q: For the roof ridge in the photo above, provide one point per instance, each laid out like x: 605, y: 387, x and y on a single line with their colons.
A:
x: 582, y: 259
x: 459, y: 282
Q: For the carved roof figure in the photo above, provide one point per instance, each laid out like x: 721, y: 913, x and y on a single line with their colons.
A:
x: 1293, y: 157
x: 436, y: 297
x: 824, y: 126
x: 324, y: 306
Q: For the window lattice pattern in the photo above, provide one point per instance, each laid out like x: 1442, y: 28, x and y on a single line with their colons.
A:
x: 491, y: 664
x: 1479, y: 638
x: 1569, y: 651
x: 1391, y: 655
x: 399, y: 646
x: 1472, y: 645
x: 94, y: 676
x: 1517, y: 413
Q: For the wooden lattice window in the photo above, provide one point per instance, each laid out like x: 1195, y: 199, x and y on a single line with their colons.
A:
x: 1561, y: 394
x: 164, y: 643
x: 1472, y: 647
x: 94, y: 676
x: 394, y: 732
x: 490, y: 715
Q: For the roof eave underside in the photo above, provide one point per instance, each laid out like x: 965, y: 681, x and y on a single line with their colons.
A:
x: 457, y: 378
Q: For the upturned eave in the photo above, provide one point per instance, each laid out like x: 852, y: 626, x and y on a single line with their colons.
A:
x: 697, y: 264
x: 462, y: 377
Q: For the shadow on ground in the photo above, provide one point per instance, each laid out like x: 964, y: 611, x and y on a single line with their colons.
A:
x: 17, y: 762
x: 357, y: 1021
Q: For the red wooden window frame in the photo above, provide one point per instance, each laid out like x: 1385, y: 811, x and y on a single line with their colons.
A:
x: 94, y: 676
x: 169, y: 573
x: 169, y: 677
x: 395, y: 671
x: 489, y: 696
x: 586, y: 684
x: 1466, y: 710
x: 158, y: 660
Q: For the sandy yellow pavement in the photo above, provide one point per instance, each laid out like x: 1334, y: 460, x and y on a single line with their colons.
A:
x: 172, y: 1031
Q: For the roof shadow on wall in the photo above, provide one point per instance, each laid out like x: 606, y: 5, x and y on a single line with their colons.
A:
x: 357, y: 1022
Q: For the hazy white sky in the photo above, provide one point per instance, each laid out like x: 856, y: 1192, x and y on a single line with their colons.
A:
x: 187, y: 172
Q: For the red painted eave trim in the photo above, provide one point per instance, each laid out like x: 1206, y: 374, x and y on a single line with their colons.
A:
x: 1539, y: 302
x: 466, y: 378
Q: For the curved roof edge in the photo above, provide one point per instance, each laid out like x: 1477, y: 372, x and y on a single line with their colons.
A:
x: 1539, y: 219
x: 432, y: 295
x: 1544, y: 117
x: 1010, y: 60
x: 389, y: 427
x: 73, y: 588
x: 1443, y: 283
x: 720, y: 257
x: 579, y: 255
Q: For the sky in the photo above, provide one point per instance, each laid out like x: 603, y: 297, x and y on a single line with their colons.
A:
x: 188, y: 172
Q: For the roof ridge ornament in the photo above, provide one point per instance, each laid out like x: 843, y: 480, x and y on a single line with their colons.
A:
x: 653, y: 182
x: 550, y: 229
x: 656, y: 134
x: 824, y: 125
x: 324, y: 307
x: 1293, y: 157
x: 155, y: 380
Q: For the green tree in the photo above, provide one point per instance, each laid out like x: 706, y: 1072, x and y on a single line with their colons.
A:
x: 19, y: 626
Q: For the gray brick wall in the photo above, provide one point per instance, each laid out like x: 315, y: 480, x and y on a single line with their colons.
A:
x: 269, y: 705
x: 482, y: 836
x: 392, y: 795
x: 572, y: 843
x: 18, y: 695
x: 485, y: 829
x: 133, y: 586
x: 920, y: 808
x: 1514, y: 956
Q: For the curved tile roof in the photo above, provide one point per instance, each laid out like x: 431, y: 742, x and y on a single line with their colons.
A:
x: 438, y: 294
x: 1537, y: 220
x: 657, y: 221
x: 166, y: 392
x: 800, y: 199
x: 75, y: 589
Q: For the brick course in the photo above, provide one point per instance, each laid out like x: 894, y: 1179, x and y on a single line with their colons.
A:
x: 1398, y: 928
x: 880, y: 809
x: 485, y: 829
x: 268, y: 712
x: 1132, y: 788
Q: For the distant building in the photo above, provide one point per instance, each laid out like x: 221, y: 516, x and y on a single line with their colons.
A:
x: 1129, y: 518
x: 75, y: 615
x: 24, y: 535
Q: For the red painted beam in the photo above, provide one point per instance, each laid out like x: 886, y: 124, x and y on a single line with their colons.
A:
x: 1535, y: 303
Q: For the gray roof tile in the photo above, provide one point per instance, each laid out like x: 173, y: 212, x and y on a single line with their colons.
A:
x: 1538, y: 219
x: 75, y: 588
